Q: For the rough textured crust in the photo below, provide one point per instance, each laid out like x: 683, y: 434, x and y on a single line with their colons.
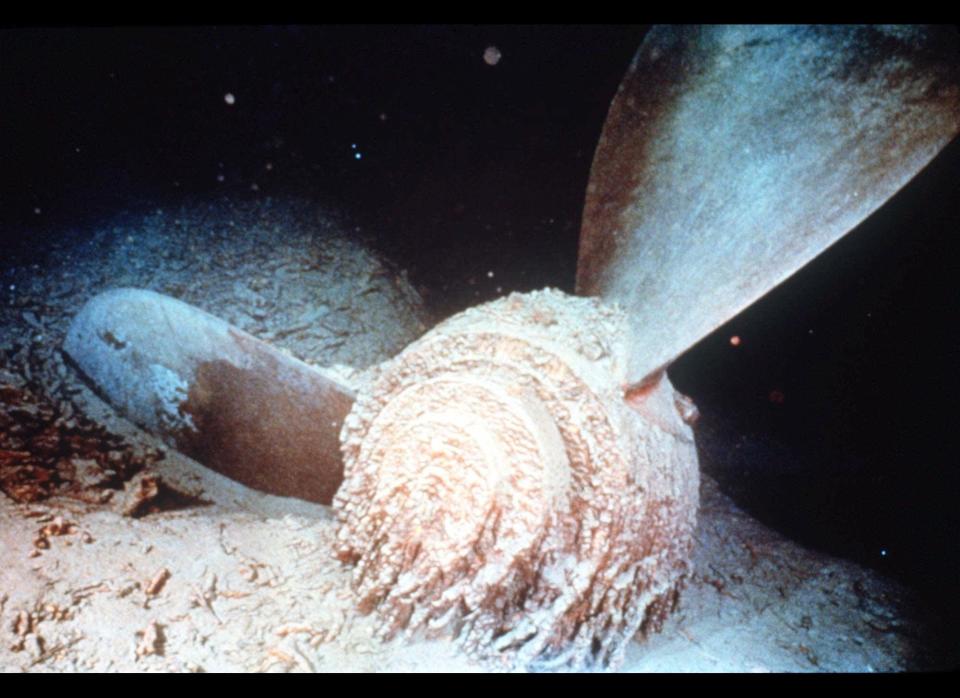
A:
x: 499, y: 488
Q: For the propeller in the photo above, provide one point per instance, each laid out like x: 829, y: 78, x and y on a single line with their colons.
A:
x: 732, y: 156
x: 214, y: 392
x: 524, y: 476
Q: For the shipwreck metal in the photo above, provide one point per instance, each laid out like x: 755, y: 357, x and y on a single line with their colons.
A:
x: 732, y: 156
x: 524, y: 476
x: 497, y: 485
x: 219, y: 395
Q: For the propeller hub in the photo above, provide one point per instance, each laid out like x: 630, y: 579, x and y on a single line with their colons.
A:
x: 498, y: 487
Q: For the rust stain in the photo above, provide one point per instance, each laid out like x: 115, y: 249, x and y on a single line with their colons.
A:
x: 638, y: 392
x: 266, y: 426
x: 621, y: 164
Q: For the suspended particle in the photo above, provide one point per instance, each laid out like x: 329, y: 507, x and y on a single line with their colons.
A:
x: 492, y: 55
x: 735, y: 340
x: 229, y: 99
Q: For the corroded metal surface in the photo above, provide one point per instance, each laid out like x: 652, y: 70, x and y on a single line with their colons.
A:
x: 497, y: 486
x: 731, y: 156
x: 214, y: 392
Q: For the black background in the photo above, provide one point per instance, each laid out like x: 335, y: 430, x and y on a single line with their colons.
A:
x: 833, y: 421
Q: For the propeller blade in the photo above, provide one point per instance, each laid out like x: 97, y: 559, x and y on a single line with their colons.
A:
x: 732, y: 156
x: 217, y: 394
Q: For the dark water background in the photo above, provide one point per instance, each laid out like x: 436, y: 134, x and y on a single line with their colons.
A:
x: 834, y: 421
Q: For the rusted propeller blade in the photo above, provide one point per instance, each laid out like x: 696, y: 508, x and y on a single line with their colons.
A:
x: 219, y: 395
x: 731, y: 156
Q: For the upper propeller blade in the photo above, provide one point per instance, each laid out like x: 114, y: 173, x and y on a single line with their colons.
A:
x: 731, y: 156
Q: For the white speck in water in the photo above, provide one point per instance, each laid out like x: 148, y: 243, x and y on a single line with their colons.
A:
x: 492, y: 55
x: 357, y: 156
x: 230, y: 99
x: 220, y: 177
x: 268, y: 166
x: 383, y: 116
x: 353, y: 145
x: 13, y: 287
x: 37, y: 210
x: 883, y: 552
x: 254, y: 187
x: 490, y: 274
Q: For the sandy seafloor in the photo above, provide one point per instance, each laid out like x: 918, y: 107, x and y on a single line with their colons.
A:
x: 217, y: 577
